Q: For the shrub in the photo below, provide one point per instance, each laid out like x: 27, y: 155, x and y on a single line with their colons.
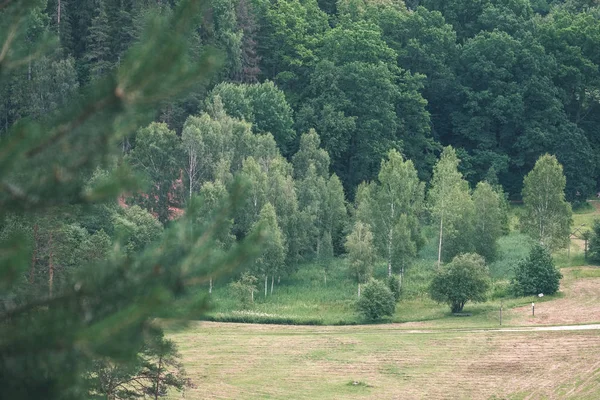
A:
x: 536, y: 274
x: 393, y: 283
x: 500, y: 289
x: 466, y: 278
x: 376, y: 301
x: 594, y: 242
x: 244, y: 289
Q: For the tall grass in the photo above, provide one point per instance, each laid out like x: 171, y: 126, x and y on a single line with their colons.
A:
x: 512, y: 248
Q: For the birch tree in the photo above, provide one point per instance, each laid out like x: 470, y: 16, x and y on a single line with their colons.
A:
x: 361, y: 253
x: 256, y: 196
x: 449, y: 199
x: 272, y: 254
x: 548, y: 216
x: 489, y: 219
x: 395, y: 209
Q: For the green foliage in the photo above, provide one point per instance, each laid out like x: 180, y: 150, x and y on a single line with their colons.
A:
x: 321, y: 202
x: 156, y: 155
x: 465, y: 279
x: 355, y: 100
x: 376, y: 301
x: 261, y: 104
x: 243, y: 289
x: 85, y: 305
x: 594, y: 242
x: 154, y: 372
x: 310, y: 152
x: 136, y: 228
x: 393, y: 283
x: 536, y: 274
x: 489, y: 219
x: 548, y: 216
x: 451, y: 207
x: 392, y: 207
x: 272, y: 253
x: 361, y: 254
x: 98, y: 43
x: 512, y: 248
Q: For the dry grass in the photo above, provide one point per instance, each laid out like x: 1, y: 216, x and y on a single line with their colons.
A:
x: 236, y: 361
x: 579, y: 305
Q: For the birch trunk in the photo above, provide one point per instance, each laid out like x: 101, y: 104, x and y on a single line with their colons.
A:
x: 440, y: 245
x: 266, y: 277
x: 210, y: 286
x: 272, y: 282
x: 400, y: 276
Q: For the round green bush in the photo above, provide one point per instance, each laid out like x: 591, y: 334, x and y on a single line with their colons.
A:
x: 376, y: 301
x: 465, y: 279
x: 536, y: 274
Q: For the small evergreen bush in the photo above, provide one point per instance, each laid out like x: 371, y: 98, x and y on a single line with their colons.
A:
x: 536, y: 274
x: 377, y: 301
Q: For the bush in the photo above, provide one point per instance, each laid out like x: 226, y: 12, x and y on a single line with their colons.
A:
x: 466, y: 278
x: 393, y: 283
x: 243, y: 289
x: 594, y: 242
x: 500, y: 289
x: 376, y: 301
x: 536, y: 274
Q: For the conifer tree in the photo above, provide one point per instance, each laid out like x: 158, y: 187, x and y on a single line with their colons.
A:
x: 98, y: 54
x: 48, y: 341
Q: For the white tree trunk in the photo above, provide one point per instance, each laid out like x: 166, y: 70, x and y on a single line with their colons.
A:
x: 440, y: 244
x: 266, y: 285
x: 391, y: 239
x: 400, y: 276
x: 359, y: 289
x: 210, y: 286
x: 272, y: 281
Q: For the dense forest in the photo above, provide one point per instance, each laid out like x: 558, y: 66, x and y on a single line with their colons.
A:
x: 316, y: 128
x: 503, y: 82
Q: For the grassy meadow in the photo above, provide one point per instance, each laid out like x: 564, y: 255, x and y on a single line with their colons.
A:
x: 312, y: 297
